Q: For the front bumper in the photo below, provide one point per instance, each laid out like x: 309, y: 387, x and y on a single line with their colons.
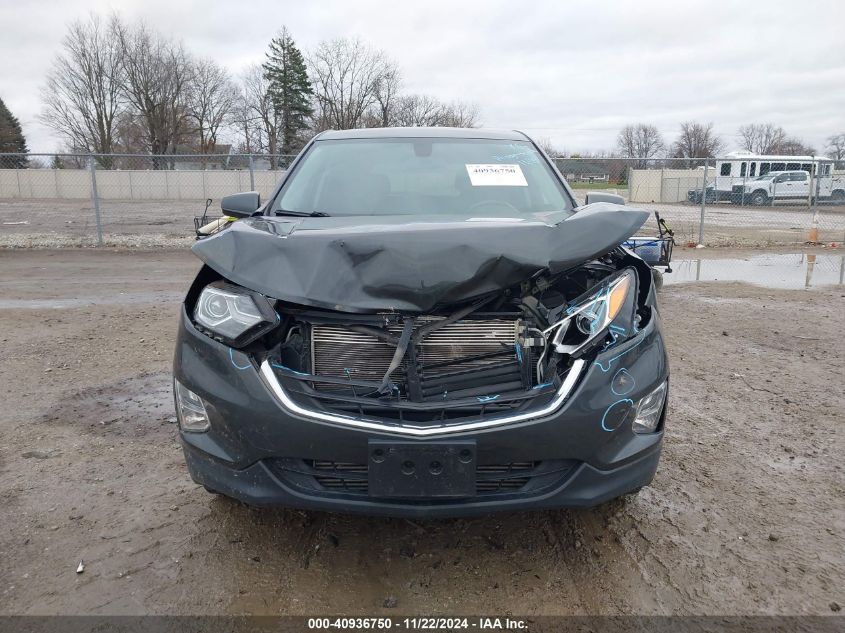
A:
x: 258, y: 485
x: 252, y: 433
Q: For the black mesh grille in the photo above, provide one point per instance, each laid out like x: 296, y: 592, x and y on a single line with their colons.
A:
x: 340, y: 475
x: 351, y: 478
x: 503, y: 477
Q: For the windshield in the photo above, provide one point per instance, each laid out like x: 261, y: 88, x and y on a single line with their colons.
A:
x: 425, y: 176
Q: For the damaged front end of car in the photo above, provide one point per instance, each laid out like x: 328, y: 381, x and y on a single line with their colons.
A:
x: 482, y: 364
x: 392, y: 344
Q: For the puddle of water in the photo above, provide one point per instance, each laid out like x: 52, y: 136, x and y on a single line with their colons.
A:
x: 772, y: 271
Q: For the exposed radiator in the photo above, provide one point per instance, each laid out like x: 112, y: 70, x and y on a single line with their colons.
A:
x: 341, y: 353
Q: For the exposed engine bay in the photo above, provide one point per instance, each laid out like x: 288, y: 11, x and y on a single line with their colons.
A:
x: 494, y: 353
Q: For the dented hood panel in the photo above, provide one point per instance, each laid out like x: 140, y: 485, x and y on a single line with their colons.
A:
x: 408, y: 263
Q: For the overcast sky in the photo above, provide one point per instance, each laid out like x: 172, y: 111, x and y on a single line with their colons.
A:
x: 571, y: 72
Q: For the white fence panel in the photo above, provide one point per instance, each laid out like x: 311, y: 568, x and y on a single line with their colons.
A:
x: 71, y: 183
x: 133, y: 184
x: 664, y: 185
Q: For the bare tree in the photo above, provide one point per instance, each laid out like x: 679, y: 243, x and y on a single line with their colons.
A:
x: 460, y: 114
x: 130, y: 134
x: 210, y: 100
x: 761, y: 138
x: 260, y: 120
x: 244, y: 124
x: 347, y: 75
x: 83, y: 94
x: 545, y: 143
x: 640, y: 141
x: 697, y: 140
x: 836, y: 147
x: 794, y: 146
x: 426, y: 111
x: 387, y: 95
x: 158, y: 74
x: 417, y: 111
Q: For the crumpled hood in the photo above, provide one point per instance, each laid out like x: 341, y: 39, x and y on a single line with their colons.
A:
x: 408, y: 263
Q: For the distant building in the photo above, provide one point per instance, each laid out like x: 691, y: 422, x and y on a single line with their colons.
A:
x: 582, y: 171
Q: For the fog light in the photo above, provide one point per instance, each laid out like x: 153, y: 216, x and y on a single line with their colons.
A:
x: 190, y: 409
x: 649, y: 409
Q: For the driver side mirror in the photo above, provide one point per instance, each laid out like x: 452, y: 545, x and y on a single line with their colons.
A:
x: 600, y: 196
x: 241, y: 205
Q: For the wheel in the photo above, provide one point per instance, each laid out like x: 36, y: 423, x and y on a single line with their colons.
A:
x: 211, y: 490
x: 838, y: 195
x: 658, y: 278
x: 759, y: 198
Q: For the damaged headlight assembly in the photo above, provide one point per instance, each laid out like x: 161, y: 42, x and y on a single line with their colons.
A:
x: 233, y: 314
x: 590, y: 317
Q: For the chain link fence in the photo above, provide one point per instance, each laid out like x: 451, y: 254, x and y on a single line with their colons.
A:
x: 121, y: 199
x: 141, y: 200
x: 723, y: 203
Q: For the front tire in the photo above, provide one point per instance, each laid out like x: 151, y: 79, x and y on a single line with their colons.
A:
x: 838, y: 196
x: 759, y: 198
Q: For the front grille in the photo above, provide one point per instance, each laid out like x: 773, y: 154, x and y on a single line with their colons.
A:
x: 339, y: 352
x: 350, y: 479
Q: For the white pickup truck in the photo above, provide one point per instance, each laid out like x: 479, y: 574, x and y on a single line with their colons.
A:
x: 788, y: 185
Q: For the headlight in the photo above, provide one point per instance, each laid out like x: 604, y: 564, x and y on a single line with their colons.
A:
x: 649, y: 409
x: 591, y: 317
x: 190, y: 409
x: 235, y: 314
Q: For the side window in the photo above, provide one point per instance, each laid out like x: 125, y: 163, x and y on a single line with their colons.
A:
x: 782, y: 178
x: 798, y: 176
x: 778, y: 166
x: 826, y: 169
x: 765, y: 168
x: 753, y: 171
x: 790, y: 166
x: 742, y: 168
x: 807, y: 167
x: 725, y: 170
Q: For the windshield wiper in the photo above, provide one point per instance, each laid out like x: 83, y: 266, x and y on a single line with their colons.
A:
x: 303, y: 214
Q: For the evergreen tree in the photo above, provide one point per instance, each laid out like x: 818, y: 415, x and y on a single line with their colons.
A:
x: 11, y: 139
x: 289, y: 89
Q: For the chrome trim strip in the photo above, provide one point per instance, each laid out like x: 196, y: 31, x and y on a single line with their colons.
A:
x: 269, y: 377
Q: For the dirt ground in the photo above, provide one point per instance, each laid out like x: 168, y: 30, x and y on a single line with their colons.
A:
x: 746, y: 514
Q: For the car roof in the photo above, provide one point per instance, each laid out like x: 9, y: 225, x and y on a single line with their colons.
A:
x: 424, y: 132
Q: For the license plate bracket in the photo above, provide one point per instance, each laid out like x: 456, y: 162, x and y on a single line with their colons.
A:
x: 422, y: 469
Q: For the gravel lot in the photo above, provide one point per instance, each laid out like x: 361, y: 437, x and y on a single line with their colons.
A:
x: 62, y: 223
x: 746, y: 515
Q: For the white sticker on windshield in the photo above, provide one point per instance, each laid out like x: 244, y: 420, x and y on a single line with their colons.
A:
x: 496, y: 175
